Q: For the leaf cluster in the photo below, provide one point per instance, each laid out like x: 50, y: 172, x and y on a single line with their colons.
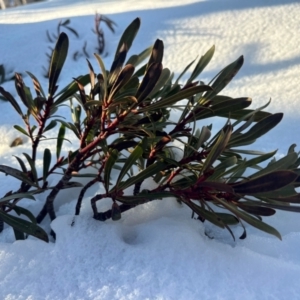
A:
x: 124, y: 126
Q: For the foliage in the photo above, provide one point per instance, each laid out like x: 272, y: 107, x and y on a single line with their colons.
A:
x: 123, y: 124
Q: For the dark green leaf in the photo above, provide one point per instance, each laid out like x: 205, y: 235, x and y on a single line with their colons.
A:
x: 46, y: 163
x: 71, y: 89
x: 103, y: 70
x: 121, y: 80
x: 24, y: 226
x: 60, y: 140
x: 32, y: 166
x: 92, y: 75
x: 81, y: 92
x: 259, y: 129
x: 17, y: 174
x: 37, y: 86
x: 23, y: 211
x: 265, y: 183
x: 218, y: 148
x: 51, y: 125
x: 257, y: 209
x: 224, y: 77
x: 12, y: 100
x: 27, y: 195
x: 130, y: 161
x: 249, y: 219
x: 281, y: 164
x: 202, y: 63
x: 135, y: 60
x: 163, y: 79
x: 20, y: 87
x: 21, y: 163
x: 128, y: 35
x: 19, y: 235
x: 182, y: 94
x: 223, y: 109
x: 58, y: 58
x: 146, y: 173
x: 156, y: 54
x: 228, y: 219
x: 117, y: 64
x: 149, y: 81
x: 113, y: 156
x: 21, y: 130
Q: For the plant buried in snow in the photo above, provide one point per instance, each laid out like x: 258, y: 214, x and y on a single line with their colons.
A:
x: 124, y: 123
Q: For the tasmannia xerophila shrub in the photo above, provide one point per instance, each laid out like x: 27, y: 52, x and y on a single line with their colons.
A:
x: 125, y: 123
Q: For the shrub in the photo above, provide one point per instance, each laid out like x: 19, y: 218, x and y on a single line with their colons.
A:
x: 124, y: 123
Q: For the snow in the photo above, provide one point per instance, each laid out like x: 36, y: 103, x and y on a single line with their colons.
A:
x: 156, y: 251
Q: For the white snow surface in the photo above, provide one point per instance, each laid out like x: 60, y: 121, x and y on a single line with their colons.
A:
x: 156, y: 251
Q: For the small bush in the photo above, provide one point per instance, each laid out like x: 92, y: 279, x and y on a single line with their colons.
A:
x: 124, y: 123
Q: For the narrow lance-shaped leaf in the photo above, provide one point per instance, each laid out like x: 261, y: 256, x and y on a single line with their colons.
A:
x: 18, y: 235
x: 113, y: 156
x: 46, y: 162
x: 205, y: 214
x: 249, y: 219
x: 251, y: 162
x: 281, y: 164
x: 146, y: 173
x: 157, y: 53
x: 257, y: 209
x: 182, y: 94
x: 81, y: 92
x: 37, y: 86
x: 149, y: 81
x: 71, y: 89
x: 222, y: 109
x: 259, y: 129
x: 12, y: 100
x: 32, y: 166
x: 284, y: 206
x: 17, y: 174
x: 103, y: 70
x: 161, y: 83
x: 224, y: 77
x: 19, y: 84
x: 129, y: 35
x: 202, y: 63
x: 27, y: 195
x: 19, y: 128
x: 135, y: 60
x: 265, y: 183
x: 121, y: 80
x: 184, y: 71
x: 60, y: 140
x: 24, y: 226
x: 117, y: 64
x: 51, y: 125
x: 92, y: 74
x: 133, y: 158
x: 58, y: 58
x: 23, y: 211
x: 218, y: 148
x: 21, y: 163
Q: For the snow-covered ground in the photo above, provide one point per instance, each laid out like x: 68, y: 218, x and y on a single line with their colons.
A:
x: 156, y: 251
